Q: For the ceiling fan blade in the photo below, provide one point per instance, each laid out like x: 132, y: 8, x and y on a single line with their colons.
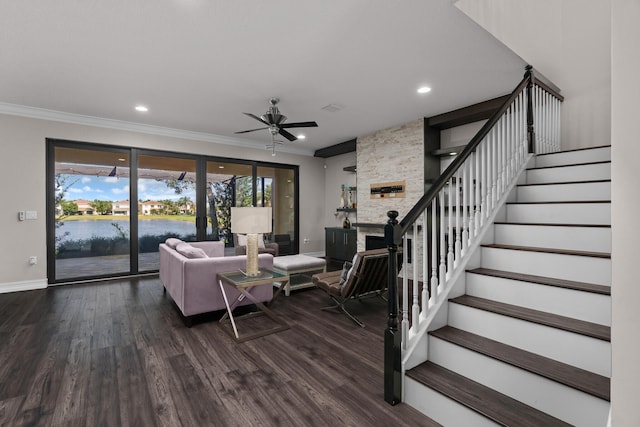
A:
x: 300, y: 125
x: 251, y: 130
x: 253, y: 116
x: 287, y: 135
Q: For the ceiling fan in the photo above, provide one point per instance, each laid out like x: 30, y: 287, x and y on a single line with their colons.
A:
x: 275, y: 122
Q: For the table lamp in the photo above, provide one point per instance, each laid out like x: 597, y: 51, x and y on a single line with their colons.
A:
x: 251, y: 221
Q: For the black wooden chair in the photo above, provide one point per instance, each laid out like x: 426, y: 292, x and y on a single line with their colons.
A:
x: 368, y: 278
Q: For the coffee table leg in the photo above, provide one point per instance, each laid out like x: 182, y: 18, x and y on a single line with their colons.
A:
x: 283, y: 285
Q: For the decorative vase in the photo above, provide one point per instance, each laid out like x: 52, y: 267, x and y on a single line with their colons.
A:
x: 342, y: 205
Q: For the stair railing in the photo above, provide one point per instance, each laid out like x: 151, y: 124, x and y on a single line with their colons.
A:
x: 441, y: 231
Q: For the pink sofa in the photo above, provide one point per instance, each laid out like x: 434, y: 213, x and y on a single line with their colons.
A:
x: 192, y: 283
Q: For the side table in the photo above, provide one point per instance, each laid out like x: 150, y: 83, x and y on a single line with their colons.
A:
x: 244, y: 284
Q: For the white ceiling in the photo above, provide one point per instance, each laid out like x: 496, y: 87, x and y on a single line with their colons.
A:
x: 198, y: 64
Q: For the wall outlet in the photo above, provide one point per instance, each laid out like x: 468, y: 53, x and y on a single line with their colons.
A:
x: 306, y: 240
x: 33, y: 260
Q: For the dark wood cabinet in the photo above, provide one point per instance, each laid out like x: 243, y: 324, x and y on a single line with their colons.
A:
x: 340, y: 244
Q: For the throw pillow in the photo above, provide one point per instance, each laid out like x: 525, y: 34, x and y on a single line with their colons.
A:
x: 172, y: 242
x: 260, y: 241
x: 353, y: 263
x: 190, y: 252
x: 346, y: 267
x: 242, y: 239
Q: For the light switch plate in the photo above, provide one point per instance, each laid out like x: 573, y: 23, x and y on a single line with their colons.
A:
x: 32, y: 215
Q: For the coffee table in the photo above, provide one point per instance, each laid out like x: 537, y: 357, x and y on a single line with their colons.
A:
x: 295, y: 266
x: 245, y: 284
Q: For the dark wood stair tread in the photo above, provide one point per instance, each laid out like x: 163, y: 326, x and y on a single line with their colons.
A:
x: 541, y: 280
x: 496, y: 406
x: 571, y: 376
x: 549, y: 250
x: 561, y: 202
x: 564, y: 183
x: 546, y: 224
x: 569, y: 165
x: 569, y: 324
x: 573, y: 150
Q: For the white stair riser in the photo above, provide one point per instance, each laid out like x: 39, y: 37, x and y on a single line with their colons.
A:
x: 569, y: 267
x: 590, y: 172
x: 565, y: 192
x: 555, y: 399
x: 599, y: 154
x: 587, y: 306
x: 574, y: 349
x: 440, y: 408
x: 560, y: 213
x: 591, y: 239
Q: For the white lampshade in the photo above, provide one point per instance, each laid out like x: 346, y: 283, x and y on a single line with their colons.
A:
x: 251, y: 220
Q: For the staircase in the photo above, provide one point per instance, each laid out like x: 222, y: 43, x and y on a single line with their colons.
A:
x: 528, y: 344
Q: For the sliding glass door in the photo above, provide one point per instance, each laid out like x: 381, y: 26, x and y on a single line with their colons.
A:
x: 276, y: 188
x: 166, y: 204
x: 91, y: 231
x: 228, y: 184
x: 109, y: 208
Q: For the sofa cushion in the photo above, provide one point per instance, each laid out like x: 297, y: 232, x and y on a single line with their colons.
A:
x: 190, y: 252
x: 172, y: 242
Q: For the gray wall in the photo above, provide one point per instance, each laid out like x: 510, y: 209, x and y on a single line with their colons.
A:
x: 22, y: 173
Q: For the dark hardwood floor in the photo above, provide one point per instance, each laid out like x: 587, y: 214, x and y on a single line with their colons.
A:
x: 117, y: 353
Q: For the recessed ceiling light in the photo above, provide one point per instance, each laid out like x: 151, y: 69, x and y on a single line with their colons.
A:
x: 220, y: 167
x: 453, y: 154
x: 122, y: 159
x: 141, y: 108
x: 301, y: 136
x: 424, y: 89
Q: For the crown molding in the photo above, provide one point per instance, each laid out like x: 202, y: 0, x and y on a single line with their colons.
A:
x: 79, y: 119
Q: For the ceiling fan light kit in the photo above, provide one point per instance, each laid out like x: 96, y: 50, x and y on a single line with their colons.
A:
x: 275, y: 122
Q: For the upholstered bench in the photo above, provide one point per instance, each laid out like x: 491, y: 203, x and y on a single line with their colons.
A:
x: 295, y: 266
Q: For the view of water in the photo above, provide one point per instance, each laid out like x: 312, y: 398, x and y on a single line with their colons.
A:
x: 85, y: 229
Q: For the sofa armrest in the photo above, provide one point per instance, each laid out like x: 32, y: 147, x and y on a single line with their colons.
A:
x: 201, y: 289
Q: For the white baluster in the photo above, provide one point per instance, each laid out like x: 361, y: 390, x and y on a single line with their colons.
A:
x: 472, y: 192
x: 415, y: 307
x: 466, y: 186
x: 443, y: 248
x: 477, y: 191
x: 425, y: 263
x: 434, y: 253
x: 458, y: 231
x: 450, y: 233
x: 405, y: 293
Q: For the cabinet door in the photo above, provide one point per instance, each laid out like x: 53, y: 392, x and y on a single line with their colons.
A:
x: 330, y: 243
x: 352, y: 245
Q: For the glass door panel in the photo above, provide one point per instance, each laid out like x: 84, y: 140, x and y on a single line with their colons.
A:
x: 166, y: 204
x: 92, y: 213
x: 276, y: 188
x: 228, y: 184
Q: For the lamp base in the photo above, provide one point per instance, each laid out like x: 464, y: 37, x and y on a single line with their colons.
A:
x: 252, y: 255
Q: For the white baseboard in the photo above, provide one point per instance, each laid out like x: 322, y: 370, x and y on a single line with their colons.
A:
x: 27, y: 285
